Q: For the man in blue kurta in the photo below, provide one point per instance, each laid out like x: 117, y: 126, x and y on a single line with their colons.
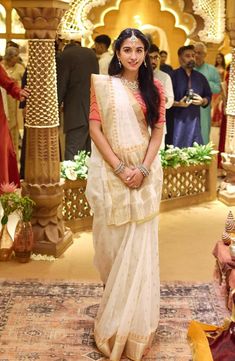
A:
x: 213, y: 77
x: 186, y: 109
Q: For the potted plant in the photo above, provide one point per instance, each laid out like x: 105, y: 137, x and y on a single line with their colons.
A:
x: 10, y: 201
x: 23, y: 238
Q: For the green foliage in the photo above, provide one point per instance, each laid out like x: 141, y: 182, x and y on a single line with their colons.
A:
x: 26, y: 208
x: 176, y: 157
x: 10, y: 202
x: 76, y: 169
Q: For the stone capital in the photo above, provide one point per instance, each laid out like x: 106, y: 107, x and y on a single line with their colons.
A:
x: 40, y: 18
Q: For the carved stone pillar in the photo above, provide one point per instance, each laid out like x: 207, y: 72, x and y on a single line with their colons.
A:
x: 227, y: 192
x: 42, y: 169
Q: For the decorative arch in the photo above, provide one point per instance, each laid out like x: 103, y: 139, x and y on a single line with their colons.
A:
x: 76, y: 17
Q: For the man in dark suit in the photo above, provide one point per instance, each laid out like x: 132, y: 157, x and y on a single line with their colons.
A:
x: 163, y: 65
x: 74, y: 68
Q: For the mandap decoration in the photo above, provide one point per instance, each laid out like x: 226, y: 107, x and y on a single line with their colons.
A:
x: 75, y: 19
x: 213, y: 14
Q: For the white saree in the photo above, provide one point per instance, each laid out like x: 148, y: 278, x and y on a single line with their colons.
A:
x: 125, y: 228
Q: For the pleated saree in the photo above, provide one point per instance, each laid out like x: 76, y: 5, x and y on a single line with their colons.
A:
x: 125, y: 228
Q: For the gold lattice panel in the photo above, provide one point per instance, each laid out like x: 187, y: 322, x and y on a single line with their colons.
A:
x: 42, y: 104
x: 75, y: 205
x: 183, y: 182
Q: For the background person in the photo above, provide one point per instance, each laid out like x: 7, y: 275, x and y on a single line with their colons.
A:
x: 213, y: 78
x: 124, y: 191
x: 217, y: 102
x: 191, y: 91
x: 8, y: 163
x: 163, y: 65
x: 220, y: 65
x: 165, y: 79
x: 74, y: 68
x: 102, y: 43
x: 15, y: 71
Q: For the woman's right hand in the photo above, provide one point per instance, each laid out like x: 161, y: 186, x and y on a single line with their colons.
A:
x: 126, y: 175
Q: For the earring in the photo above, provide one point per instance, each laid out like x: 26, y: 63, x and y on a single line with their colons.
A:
x: 145, y: 64
x: 119, y: 63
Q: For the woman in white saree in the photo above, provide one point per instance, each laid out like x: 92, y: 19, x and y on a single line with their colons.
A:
x: 124, y: 191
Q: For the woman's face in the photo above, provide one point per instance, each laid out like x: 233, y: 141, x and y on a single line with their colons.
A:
x: 219, y: 59
x: 13, y: 60
x: 131, y: 54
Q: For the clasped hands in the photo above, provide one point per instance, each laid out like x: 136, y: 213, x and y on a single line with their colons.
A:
x: 196, y: 100
x: 131, y: 177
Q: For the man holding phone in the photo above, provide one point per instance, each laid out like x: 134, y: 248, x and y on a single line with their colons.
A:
x: 191, y: 91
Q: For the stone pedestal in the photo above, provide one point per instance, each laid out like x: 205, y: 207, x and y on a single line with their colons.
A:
x: 52, y: 237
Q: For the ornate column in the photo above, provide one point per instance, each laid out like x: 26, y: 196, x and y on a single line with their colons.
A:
x: 227, y: 192
x: 42, y: 172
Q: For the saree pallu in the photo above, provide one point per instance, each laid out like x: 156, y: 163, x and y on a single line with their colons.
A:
x: 125, y: 232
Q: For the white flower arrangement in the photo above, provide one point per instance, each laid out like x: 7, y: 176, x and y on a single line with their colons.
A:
x: 197, y: 154
x: 77, y: 168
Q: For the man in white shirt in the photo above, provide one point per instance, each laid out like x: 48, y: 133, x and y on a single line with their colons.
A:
x: 164, y: 78
x: 102, y: 43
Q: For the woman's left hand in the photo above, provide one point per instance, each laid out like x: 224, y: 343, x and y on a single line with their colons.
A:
x: 136, y: 180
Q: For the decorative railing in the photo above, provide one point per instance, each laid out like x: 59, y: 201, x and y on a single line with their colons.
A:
x: 183, y: 186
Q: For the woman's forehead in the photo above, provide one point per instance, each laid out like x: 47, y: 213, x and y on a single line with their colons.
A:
x: 132, y: 44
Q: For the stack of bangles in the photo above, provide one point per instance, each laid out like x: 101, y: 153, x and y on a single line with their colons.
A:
x: 143, y: 170
x: 120, y: 168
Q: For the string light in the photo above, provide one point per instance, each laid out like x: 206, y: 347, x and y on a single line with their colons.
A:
x: 213, y: 14
x: 230, y: 109
x: 75, y: 19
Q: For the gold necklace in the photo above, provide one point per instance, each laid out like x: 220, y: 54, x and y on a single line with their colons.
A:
x: 132, y: 85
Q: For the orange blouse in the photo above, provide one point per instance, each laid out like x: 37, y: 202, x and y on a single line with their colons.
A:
x: 94, y: 111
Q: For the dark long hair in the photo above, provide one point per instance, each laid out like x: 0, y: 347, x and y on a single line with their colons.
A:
x: 147, y: 87
x: 223, y: 60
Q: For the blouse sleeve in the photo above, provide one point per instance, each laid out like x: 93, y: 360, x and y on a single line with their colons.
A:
x: 162, y: 105
x: 94, y: 110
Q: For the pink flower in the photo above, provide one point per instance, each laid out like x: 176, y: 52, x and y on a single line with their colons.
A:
x: 8, y: 187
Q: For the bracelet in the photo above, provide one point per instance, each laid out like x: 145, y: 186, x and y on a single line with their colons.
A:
x: 120, y: 168
x: 143, y: 170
